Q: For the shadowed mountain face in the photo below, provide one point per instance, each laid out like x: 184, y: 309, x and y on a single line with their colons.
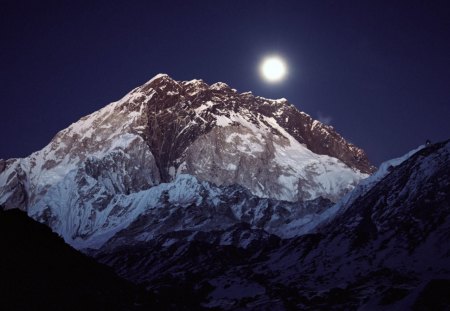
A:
x: 180, y: 112
x: 40, y: 272
x: 386, y: 250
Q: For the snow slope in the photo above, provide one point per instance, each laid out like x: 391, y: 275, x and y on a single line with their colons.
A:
x: 319, y: 219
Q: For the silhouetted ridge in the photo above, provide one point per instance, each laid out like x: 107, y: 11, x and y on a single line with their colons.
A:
x: 38, y: 271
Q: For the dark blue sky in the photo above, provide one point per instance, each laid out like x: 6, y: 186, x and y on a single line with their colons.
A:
x: 380, y: 71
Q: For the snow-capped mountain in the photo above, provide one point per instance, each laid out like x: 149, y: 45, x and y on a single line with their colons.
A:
x: 170, y: 146
x: 386, y: 250
x: 216, y: 199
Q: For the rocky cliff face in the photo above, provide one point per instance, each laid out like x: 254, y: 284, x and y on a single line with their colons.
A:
x: 87, y: 182
x: 183, y: 112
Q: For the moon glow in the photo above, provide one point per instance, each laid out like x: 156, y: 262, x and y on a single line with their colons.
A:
x: 273, y: 69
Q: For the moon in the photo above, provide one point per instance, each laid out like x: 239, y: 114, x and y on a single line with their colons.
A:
x: 273, y: 69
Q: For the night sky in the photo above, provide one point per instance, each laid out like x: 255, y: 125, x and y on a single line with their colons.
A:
x: 378, y: 71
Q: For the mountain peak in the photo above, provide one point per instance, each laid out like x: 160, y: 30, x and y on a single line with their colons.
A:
x: 218, y: 86
x: 169, y: 116
x: 166, y: 128
x: 159, y: 76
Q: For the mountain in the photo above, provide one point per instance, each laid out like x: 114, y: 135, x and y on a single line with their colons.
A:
x: 176, y: 155
x: 212, y: 199
x: 385, y: 249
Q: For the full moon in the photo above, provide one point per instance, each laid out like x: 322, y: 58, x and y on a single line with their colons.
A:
x: 273, y: 69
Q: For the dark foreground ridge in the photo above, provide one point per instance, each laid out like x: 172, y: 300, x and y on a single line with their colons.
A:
x: 38, y: 271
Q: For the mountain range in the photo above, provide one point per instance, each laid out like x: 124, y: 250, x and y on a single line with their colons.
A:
x: 214, y: 199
